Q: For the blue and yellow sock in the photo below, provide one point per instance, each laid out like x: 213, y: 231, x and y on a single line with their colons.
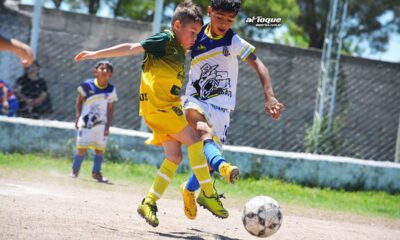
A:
x: 76, y: 165
x: 97, y: 159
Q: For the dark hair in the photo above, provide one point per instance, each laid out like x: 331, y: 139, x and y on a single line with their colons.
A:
x: 104, y: 62
x: 226, y: 5
x: 34, y: 64
x: 187, y: 12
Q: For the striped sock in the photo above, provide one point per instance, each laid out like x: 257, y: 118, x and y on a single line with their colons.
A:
x: 199, y: 165
x: 164, y: 176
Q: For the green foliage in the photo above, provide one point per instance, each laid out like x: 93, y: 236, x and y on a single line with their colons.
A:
x: 368, y: 22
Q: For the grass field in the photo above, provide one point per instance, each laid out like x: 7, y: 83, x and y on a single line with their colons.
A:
x: 369, y: 203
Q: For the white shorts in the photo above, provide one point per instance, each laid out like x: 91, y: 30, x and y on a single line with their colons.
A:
x: 91, y: 138
x: 218, y: 118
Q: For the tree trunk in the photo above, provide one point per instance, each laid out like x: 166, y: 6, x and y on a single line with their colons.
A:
x: 117, y: 8
x: 93, y: 6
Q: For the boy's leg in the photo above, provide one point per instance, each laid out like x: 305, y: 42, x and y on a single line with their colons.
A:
x: 96, y: 171
x: 78, y: 158
x: 213, y: 154
x: 148, y: 208
x: 198, y: 163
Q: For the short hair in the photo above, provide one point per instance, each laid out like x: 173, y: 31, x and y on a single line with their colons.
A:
x: 104, y: 62
x: 34, y: 64
x: 187, y: 12
x: 226, y: 5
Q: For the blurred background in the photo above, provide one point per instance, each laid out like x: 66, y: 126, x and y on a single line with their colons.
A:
x: 337, y: 72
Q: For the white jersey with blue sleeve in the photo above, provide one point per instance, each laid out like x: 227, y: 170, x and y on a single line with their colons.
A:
x: 214, y: 67
x: 95, y: 104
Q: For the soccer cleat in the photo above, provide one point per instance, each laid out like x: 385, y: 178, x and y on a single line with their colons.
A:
x: 99, y: 177
x: 189, y: 203
x: 229, y: 172
x: 74, y: 174
x: 148, y: 210
x: 212, y: 204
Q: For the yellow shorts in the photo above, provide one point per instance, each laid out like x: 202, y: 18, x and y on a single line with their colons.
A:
x: 163, y: 123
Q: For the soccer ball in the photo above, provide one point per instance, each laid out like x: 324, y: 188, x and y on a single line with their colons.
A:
x: 262, y: 216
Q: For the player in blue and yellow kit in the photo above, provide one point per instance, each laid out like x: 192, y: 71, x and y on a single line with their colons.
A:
x: 163, y: 71
x: 210, y: 95
x: 94, y: 111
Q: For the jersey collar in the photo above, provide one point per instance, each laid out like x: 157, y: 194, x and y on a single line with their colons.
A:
x: 98, y: 86
x: 208, y: 33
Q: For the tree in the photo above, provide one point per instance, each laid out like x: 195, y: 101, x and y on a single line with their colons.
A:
x: 369, y: 21
x: 57, y: 3
x: 93, y: 6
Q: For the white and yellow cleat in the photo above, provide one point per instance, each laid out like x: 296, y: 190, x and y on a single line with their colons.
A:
x: 189, y: 203
x: 229, y: 172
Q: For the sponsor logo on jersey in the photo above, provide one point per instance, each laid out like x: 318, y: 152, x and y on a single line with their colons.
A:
x: 177, y: 110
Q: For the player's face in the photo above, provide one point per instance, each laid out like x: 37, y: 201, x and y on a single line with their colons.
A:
x: 33, y: 72
x: 103, y: 72
x: 187, y: 33
x: 221, y: 21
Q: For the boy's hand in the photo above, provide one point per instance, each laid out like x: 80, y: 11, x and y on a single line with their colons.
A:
x: 5, y: 107
x: 107, y: 130
x: 84, y: 55
x: 274, y: 107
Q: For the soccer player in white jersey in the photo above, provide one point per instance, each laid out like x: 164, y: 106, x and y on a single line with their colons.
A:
x: 211, y: 91
x: 94, y: 111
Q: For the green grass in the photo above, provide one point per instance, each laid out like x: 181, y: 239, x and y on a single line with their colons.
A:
x: 369, y: 203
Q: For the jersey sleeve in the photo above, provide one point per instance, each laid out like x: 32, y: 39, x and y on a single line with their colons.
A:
x: 241, y: 47
x: 82, y: 89
x: 156, y: 44
x: 113, y: 96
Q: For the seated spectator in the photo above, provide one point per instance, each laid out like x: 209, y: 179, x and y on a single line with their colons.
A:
x: 31, y: 91
x: 8, y: 101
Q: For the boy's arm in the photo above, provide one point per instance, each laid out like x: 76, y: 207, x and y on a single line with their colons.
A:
x: 5, y: 98
x: 272, y: 105
x: 78, y: 109
x: 120, y: 50
x: 110, y: 111
x: 20, y: 49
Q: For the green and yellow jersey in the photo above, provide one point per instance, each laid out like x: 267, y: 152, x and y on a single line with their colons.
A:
x: 163, y: 72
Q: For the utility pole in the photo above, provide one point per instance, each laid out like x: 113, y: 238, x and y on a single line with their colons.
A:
x: 37, y: 13
x: 330, y: 61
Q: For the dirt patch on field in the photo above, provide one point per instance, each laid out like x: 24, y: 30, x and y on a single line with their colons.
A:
x: 54, y: 206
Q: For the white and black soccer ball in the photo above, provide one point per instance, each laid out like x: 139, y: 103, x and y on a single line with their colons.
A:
x: 262, y: 216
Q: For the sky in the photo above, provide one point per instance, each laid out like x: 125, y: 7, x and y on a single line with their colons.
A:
x: 391, y: 55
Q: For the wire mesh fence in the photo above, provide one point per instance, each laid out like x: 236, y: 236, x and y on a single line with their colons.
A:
x: 366, y: 110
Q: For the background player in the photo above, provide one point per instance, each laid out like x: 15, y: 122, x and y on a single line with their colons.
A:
x: 8, y: 101
x: 94, y: 112
x: 211, y: 91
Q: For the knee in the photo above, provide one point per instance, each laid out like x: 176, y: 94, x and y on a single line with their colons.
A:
x: 175, y: 157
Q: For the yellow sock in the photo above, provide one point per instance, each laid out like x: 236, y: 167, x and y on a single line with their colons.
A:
x: 199, y: 165
x: 164, y: 176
